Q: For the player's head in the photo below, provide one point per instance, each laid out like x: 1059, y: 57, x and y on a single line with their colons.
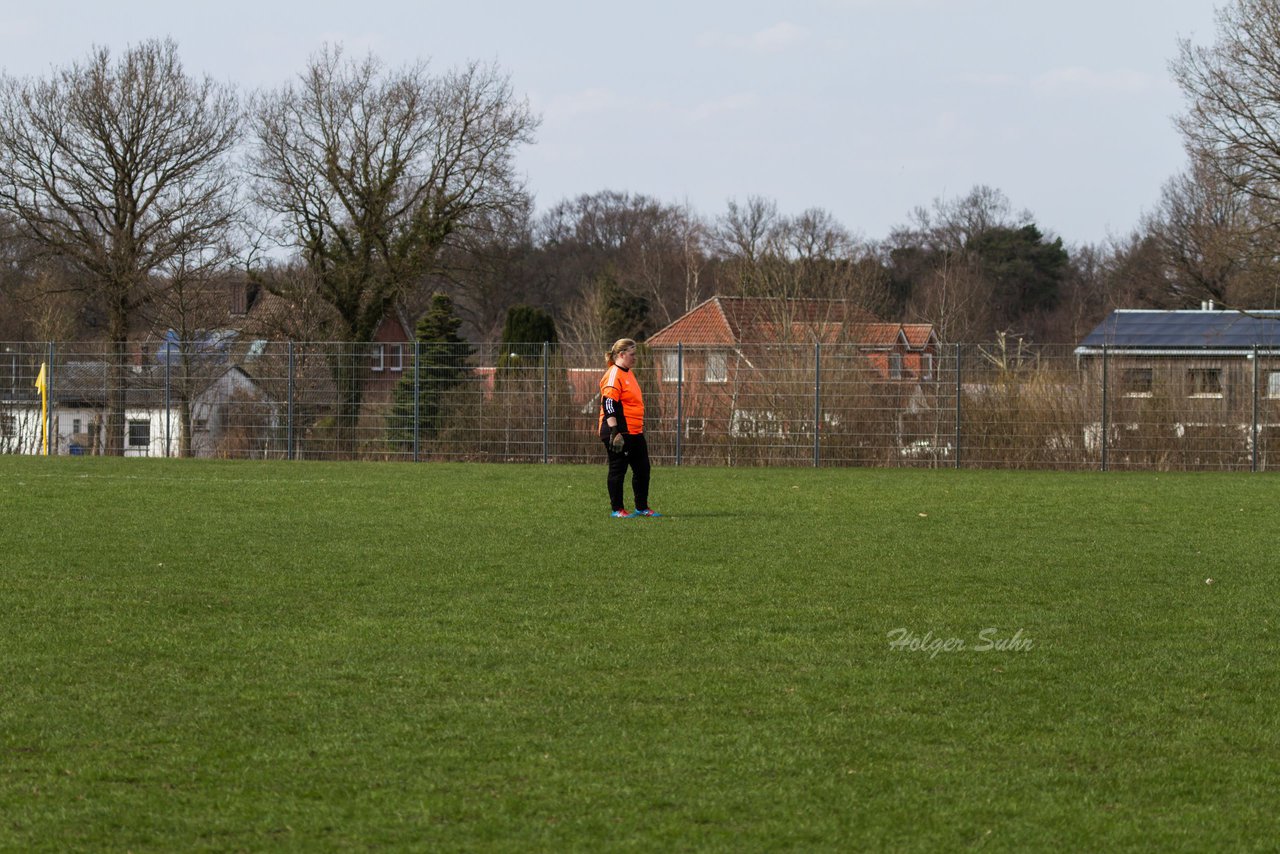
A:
x: 620, y: 346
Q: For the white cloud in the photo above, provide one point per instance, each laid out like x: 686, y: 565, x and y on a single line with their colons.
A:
x: 584, y: 102
x: 989, y: 80
x: 1078, y: 79
x: 778, y: 38
x: 883, y: 4
x: 720, y: 106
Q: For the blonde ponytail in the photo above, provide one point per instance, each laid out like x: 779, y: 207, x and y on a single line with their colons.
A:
x: 618, y: 346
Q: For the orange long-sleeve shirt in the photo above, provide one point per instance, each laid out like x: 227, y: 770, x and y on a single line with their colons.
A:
x: 621, y: 386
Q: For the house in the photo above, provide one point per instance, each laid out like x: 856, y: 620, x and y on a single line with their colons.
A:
x: 1205, y: 378
x: 390, y: 352
x: 234, y: 415
x: 152, y: 420
x: 711, y: 332
x: 270, y: 321
x: 19, y: 419
x: 734, y: 356
x: 1204, y: 355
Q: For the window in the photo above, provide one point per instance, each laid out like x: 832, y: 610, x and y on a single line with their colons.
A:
x: 199, y: 425
x: 75, y: 425
x: 927, y: 361
x: 139, y: 434
x: 895, y: 366
x: 1204, y: 382
x: 717, y: 366
x: 397, y: 357
x: 1273, y: 384
x: 694, y: 426
x: 1136, y: 382
x: 754, y: 424
x: 377, y: 357
x: 8, y: 426
x: 671, y: 365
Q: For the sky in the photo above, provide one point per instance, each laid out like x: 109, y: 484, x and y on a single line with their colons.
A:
x: 867, y: 109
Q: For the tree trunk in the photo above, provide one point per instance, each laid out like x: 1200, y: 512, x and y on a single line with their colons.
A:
x: 346, y: 366
x: 117, y: 383
x: 184, y: 423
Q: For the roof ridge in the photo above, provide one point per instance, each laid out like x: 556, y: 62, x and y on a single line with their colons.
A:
x: 734, y: 333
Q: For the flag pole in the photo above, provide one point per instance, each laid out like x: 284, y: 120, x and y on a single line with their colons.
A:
x: 42, y: 384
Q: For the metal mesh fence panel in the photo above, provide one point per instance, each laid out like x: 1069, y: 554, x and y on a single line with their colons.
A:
x: 1265, y: 438
x: 1025, y: 410
x: 20, y: 406
x: 1180, y: 412
x: 979, y: 406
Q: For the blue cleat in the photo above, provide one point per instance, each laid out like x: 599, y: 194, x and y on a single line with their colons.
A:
x: 623, y: 514
x: 652, y: 514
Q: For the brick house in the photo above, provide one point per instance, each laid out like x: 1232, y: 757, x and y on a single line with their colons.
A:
x: 748, y: 363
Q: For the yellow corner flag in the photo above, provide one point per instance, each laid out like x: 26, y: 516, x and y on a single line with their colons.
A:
x: 42, y: 385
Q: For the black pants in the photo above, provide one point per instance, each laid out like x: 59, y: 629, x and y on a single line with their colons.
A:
x: 635, y: 453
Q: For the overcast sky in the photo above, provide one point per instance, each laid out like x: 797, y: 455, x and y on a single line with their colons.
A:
x: 867, y: 108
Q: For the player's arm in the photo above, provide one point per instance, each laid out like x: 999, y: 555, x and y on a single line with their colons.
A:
x: 615, y: 422
x: 612, y: 411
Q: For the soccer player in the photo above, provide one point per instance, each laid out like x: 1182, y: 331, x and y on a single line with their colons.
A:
x: 622, y: 429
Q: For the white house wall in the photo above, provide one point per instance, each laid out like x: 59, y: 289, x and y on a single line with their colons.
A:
x: 23, y: 437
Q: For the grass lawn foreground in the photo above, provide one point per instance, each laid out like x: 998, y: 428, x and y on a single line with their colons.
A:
x: 259, y: 656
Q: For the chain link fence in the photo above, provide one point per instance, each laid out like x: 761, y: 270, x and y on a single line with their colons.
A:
x: 955, y: 406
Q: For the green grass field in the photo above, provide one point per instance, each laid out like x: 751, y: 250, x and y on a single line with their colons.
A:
x: 262, y: 656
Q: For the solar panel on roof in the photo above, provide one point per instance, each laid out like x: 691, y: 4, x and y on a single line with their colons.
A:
x: 1186, y: 329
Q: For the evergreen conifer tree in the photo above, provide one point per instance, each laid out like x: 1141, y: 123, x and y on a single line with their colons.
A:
x: 442, y: 365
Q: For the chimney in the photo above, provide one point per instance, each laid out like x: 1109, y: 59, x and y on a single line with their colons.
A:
x: 239, y: 297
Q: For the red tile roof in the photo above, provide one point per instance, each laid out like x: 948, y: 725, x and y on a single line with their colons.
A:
x: 724, y: 321
x: 876, y: 334
x: 706, y: 323
x: 919, y: 335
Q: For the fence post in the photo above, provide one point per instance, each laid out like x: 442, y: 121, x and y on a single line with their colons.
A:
x: 417, y: 396
x: 168, y: 360
x: 959, y: 396
x: 1253, y: 426
x: 679, y: 400
x: 288, y: 424
x: 1105, y: 388
x: 817, y: 403
x: 546, y: 392
x: 50, y: 434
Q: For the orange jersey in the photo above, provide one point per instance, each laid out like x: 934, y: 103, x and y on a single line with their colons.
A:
x: 622, y: 386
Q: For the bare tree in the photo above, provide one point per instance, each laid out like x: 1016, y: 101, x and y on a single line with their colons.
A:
x: 486, y: 270
x: 585, y: 319
x: 809, y: 268
x: 955, y: 297
x: 950, y: 224
x: 370, y: 173
x: 1233, y: 93
x: 645, y: 250
x: 816, y: 235
x: 188, y: 310
x: 1217, y: 241
x: 751, y: 230
x: 118, y: 167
